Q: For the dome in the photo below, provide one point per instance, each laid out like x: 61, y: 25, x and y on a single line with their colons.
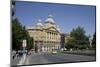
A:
x: 50, y: 19
x: 58, y: 28
x: 50, y: 16
x: 39, y: 23
x: 29, y: 28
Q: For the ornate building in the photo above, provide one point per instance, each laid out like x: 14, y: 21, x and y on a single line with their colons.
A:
x: 62, y: 40
x: 46, y: 35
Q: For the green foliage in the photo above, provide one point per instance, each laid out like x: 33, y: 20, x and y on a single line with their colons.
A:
x: 94, y: 41
x: 78, y: 39
x: 78, y: 33
x: 18, y: 34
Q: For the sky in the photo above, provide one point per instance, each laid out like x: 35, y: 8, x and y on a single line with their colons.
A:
x: 67, y: 16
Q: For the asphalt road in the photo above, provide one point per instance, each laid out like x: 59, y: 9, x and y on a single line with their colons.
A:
x: 45, y: 58
x: 16, y: 60
x: 42, y: 58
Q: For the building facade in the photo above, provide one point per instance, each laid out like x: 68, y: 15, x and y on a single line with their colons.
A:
x: 62, y: 40
x: 46, y: 35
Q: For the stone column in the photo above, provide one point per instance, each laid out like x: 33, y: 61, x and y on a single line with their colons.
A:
x: 49, y: 35
x: 54, y: 36
x: 55, y: 39
x: 46, y: 37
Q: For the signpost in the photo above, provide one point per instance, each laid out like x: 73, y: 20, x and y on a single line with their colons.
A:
x: 24, y: 44
x: 24, y: 53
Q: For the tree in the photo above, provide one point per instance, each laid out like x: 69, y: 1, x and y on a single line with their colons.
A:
x: 18, y: 34
x: 78, y: 33
x: 28, y: 38
x: 78, y: 39
x: 94, y: 41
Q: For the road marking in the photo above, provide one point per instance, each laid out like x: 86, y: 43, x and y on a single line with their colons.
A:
x: 21, y: 62
x: 27, y: 60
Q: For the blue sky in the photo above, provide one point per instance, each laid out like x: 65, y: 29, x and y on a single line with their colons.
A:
x: 66, y: 16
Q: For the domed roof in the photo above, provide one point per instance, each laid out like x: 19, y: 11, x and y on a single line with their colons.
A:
x: 29, y: 28
x: 39, y: 23
x: 50, y: 19
x: 58, y: 28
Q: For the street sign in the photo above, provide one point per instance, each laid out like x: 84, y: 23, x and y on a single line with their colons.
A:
x: 24, y: 43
